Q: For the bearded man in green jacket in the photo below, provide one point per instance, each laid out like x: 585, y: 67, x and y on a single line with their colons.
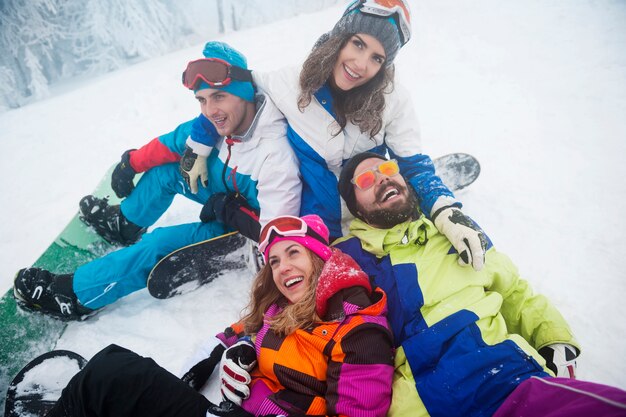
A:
x: 465, y: 339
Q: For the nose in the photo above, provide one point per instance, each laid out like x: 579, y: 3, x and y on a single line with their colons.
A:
x: 360, y: 62
x: 284, y: 266
x: 209, y: 109
x: 380, y: 177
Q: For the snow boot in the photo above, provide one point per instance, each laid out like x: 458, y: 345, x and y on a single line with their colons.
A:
x: 40, y: 290
x: 109, y: 221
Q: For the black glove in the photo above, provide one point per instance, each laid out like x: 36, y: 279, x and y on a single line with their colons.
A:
x: 233, y: 210
x: 123, y: 175
x: 199, y: 374
x: 227, y: 409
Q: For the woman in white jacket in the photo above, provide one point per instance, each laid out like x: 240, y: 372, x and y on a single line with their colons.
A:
x: 344, y: 101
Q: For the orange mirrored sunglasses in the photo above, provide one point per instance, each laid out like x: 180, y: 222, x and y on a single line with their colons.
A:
x: 367, y: 178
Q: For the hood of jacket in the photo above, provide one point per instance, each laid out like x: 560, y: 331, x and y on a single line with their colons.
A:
x: 341, y: 281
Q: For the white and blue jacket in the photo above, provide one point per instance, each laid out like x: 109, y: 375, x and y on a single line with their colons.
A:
x: 322, y: 154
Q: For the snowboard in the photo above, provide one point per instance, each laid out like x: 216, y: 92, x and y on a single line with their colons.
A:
x: 190, y: 267
x: 25, y: 334
x: 194, y: 265
x: 457, y: 170
x: 37, y: 387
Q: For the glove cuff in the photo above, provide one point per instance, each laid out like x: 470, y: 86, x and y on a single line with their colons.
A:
x: 198, y: 148
x: 126, y: 160
x: 443, y: 203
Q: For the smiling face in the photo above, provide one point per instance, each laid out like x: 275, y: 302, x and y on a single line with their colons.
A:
x: 388, y: 202
x: 230, y: 114
x: 358, y: 62
x: 292, y: 269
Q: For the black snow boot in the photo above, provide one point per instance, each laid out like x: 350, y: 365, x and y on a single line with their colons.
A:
x: 109, y: 221
x: 40, y: 290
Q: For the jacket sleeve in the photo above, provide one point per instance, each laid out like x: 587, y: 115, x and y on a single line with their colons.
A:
x: 360, y: 372
x: 402, y: 139
x: 163, y: 149
x: 152, y: 154
x: 279, y: 185
x: 176, y: 139
x: 530, y: 315
x: 231, y: 334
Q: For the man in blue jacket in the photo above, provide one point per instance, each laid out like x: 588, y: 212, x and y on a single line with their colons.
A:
x: 243, y: 175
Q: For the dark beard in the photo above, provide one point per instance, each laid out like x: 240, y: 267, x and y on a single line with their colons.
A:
x: 389, y: 217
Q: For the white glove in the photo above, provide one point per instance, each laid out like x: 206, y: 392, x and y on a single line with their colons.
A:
x: 192, y: 168
x: 560, y: 359
x: 467, y: 238
x: 237, y: 361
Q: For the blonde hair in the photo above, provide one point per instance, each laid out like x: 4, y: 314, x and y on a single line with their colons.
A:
x: 264, y: 293
x: 362, y: 105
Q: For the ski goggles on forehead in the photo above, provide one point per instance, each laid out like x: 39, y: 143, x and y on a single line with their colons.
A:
x: 286, y: 226
x: 213, y: 71
x: 367, y: 178
x: 396, y: 9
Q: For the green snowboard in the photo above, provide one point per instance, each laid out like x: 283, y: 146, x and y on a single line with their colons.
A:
x: 25, y: 335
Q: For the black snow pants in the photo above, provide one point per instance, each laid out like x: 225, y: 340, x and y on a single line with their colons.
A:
x: 118, y: 383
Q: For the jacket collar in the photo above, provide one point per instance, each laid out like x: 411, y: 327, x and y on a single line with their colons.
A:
x: 259, y: 102
x: 380, y: 242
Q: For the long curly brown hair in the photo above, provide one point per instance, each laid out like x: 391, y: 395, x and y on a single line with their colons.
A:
x: 362, y: 105
x: 264, y: 293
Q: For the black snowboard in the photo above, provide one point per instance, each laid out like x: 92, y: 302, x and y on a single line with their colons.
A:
x: 191, y: 266
x: 37, y: 387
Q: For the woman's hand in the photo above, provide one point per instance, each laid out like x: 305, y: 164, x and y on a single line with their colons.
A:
x: 237, y: 361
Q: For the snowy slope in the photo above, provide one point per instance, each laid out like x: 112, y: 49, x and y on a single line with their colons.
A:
x: 536, y: 90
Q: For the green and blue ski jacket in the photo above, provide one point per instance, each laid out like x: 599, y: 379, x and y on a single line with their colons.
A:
x: 465, y: 339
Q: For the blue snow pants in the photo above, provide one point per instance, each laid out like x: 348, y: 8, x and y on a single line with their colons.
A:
x: 104, y: 280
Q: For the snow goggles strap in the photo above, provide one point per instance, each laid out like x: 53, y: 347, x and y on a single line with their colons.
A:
x: 213, y: 71
x: 286, y: 226
x: 396, y: 9
x: 366, y: 179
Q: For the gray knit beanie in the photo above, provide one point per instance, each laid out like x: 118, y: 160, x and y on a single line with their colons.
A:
x: 385, y: 29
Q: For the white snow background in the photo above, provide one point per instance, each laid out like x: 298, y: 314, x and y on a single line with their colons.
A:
x: 536, y: 90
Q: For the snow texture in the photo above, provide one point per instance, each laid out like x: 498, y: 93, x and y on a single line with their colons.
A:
x: 535, y: 90
x: 48, y: 379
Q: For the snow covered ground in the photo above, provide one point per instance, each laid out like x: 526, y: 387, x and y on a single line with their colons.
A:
x: 535, y: 90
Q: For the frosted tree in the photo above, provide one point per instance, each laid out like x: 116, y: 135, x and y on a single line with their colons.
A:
x: 46, y: 41
x: 37, y: 83
x: 9, y: 96
x: 28, y: 25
